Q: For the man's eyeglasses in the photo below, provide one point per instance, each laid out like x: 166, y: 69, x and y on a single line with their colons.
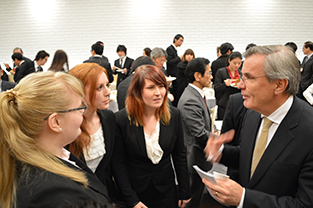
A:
x: 248, y: 79
x: 81, y: 109
x: 209, y: 73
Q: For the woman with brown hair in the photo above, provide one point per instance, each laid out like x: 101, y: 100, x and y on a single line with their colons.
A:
x: 95, y: 144
x: 181, y: 76
x: 59, y: 62
x: 148, y: 135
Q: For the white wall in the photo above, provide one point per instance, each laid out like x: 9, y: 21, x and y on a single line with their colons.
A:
x: 74, y: 25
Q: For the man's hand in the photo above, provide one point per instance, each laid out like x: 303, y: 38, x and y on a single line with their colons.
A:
x: 215, y: 142
x: 183, y: 203
x: 140, y: 205
x: 227, y: 192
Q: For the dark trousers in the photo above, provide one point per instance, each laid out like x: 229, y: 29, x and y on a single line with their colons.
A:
x: 196, y: 188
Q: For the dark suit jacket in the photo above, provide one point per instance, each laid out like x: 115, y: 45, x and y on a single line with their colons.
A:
x: 41, y: 188
x: 122, y: 91
x: 134, y: 171
x: 103, y: 171
x: 284, y: 175
x: 220, y: 62
x: 172, y: 61
x: 182, y: 82
x: 24, y: 69
x: 197, y: 127
x: 222, y: 92
x: 102, y: 62
x: 306, y: 77
x: 233, y: 119
x: 127, y: 65
x: 7, y: 85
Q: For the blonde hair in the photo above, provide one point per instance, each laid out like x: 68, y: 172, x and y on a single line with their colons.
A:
x: 22, y: 111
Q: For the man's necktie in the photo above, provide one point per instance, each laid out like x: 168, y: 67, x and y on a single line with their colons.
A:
x: 259, y: 148
x: 39, y: 69
x: 205, y: 102
x: 121, y: 63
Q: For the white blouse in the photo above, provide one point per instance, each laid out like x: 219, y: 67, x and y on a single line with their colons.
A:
x: 154, y: 150
x: 96, y: 150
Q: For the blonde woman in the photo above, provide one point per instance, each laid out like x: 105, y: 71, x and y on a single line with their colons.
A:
x: 41, y: 115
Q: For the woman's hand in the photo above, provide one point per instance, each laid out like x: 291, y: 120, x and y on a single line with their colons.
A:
x: 182, y: 203
x: 227, y: 82
x: 140, y: 205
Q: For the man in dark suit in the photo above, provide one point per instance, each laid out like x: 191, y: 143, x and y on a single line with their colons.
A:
x: 172, y: 60
x: 196, y: 123
x: 40, y: 60
x: 122, y: 65
x: 24, y: 67
x: 5, y: 85
x: 307, y: 69
x: 104, y: 57
x: 123, y: 86
x: 16, y: 50
x: 275, y: 156
x: 96, y: 52
x: 226, y: 49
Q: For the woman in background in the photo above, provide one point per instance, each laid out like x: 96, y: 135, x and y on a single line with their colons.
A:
x: 148, y: 135
x: 59, y: 62
x: 146, y: 52
x: 226, y: 80
x: 181, y: 76
x: 40, y: 116
x: 95, y: 144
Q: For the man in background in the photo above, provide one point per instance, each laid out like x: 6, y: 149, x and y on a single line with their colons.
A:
x: 96, y: 52
x: 122, y: 65
x: 172, y: 60
x: 226, y: 49
x: 196, y: 123
x: 40, y: 60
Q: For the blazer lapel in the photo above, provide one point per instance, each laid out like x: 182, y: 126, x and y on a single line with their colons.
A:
x: 140, y: 137
x: 282, y: 137
x: 250, y: 131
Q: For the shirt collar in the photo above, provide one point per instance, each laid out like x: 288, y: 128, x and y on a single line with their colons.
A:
x: 198, y: 89
x: 278, y: 115
x: 97, y: 55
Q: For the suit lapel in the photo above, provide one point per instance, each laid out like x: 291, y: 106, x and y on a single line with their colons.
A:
x: 281, y: 139
x: 250, y: 131
x: 140, y: 138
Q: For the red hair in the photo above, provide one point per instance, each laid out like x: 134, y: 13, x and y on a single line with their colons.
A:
x: 134, y: 102
x: 88, y: 74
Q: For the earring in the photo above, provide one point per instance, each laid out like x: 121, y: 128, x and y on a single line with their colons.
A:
x: 60, y: 129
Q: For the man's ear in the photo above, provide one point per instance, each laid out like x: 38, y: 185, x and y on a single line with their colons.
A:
x: 281, y: 86
x: 197, y: 76
x: 54, y: 122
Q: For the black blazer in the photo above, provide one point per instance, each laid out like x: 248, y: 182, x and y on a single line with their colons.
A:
x: 102, y: 61
x: 7, y: 85
x: 133, y: 170
x: 103, y: 171
x: 172, y: 61
x: 41, y: 188
x: 24, y: 69
x: 284, y: 175
x: 222, y: 92
x: 233, y: 119
x: 122, y: 91
x: 306, y: 77
x: 182, y: 82
x: 220, y: 62
x: 127, y: 65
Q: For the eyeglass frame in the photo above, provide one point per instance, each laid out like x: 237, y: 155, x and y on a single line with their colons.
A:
x: 244, y: 79
x: 69, y: 110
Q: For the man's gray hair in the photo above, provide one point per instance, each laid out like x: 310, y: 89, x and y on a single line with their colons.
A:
x: 280, y: 63
x: 158, y: 52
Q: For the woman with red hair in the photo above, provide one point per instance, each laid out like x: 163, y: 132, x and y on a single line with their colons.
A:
x: 148, y: 134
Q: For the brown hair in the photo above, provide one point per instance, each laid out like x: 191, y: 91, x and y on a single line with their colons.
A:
x: 187, y: 52
x: 134, y: 101
x: 88, y: 73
